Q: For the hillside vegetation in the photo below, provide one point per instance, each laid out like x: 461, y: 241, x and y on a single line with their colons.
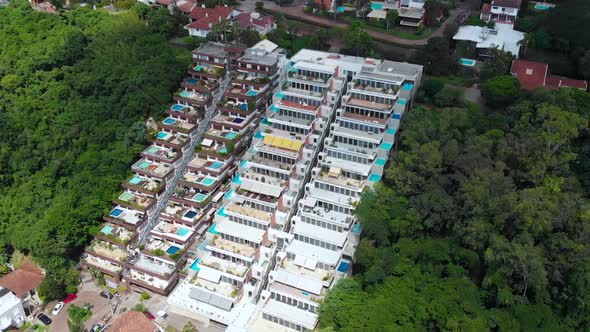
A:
x: 482, y: 223
x: 75, y: 91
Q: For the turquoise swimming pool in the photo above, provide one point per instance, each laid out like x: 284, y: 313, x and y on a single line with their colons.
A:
x: 195, y: 265
x: 177, y: 107
x: 280, y: 95
x: 212, y: 229
x: 542, y: 7
x: 274, y: 108
x: 376, y: 6
x: 402, y: 101
x: 107, y: 229
x: 386, y: 146
x: 467, y: 62
x: 161, y: 135
x: 144, y: 165
x: 231, y: 135
x: 390, y: 131
x: 374, y: 177
x: 237, y: 179
x: 223, y: 150
x: 198, y: 68
x: 251, y: 93
x: 208, y: 181
x: 380, y: 162
x: 185, y: 94
x: 200, y: 197
x: 135, y: 180
x: 169, y: 121
x: 182, y: 231
x: 216, y: 165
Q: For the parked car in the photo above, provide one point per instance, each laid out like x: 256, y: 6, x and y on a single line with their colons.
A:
x: 44, y: 319
x: 97, y: 327
x: 70, y: 298
x: 57, y: 308
x: 106, y: 295
x: 149, y: 315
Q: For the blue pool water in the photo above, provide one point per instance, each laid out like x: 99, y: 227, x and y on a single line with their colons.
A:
x: 467, y: 62
x: 408, y: 86
x: 107, y: 229
x: 198, y: 68
x: 396, y: 116
x: 237, y: 179
x: 343, y: 267
x: 237, y: 120
x: 212, y: 229
x: 280, y: 95
x: 258, y: 134
x: 200, y: 197
x: 376, y: 6
x: 144, y: 165
x: 116, y: 212
x: 251, y: 93
x: 185, y: 94
x: 169, y: 121
x: 244, y: 107
x: 402, y: 101
x: 231, y: 135
x: 340, y: 9
x: 374, y: 177
x: 177, y: 107
x: 161, y: 135
x: 208, y: 181
x: 216, y: 165
x: 357, y: 229
x: 182, y: 231
x: 222, y: 213
x: 191, y: 214
x: 380, y: 162
x: 386, y: 146
x: 172, y: 250
x: 195, y: 265
x: 228, y: 194
x: 243, y: 163
x: 274, y: 108
x: 192, y: 81
x: 223, y: 150
x: 390, y: 131
x: 135, y: 180
x: 541, y: 7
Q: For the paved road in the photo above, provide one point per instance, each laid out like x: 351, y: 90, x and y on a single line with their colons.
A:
x: 296, y: 11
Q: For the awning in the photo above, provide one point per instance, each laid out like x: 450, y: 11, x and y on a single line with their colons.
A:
x: 299, y: 260
x: 220, y: 302
x: 207, y: 142
x: 283, y: 143
x: 260, y: 188
x: 334, y: 172
x: 209, y: 274
x: 310, y: 263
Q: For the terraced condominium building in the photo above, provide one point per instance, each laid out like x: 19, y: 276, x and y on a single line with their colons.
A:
x: 319, y: 248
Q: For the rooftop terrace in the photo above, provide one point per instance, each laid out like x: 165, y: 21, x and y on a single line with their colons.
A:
x: 233, y: 247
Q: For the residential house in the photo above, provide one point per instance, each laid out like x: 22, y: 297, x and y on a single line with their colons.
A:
x: 133, y: 321
x: 202, y: 19
x: 23, y: 283
x: 12, y: 313
x: 257, y: 22
x: 500, y: 11
x: 533, y: 75
x: 502, y: 37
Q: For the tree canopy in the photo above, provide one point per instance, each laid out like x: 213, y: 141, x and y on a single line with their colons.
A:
x: 75, y: 90
x: 482, y: 223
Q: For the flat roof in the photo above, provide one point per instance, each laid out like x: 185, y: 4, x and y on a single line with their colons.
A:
x: 321, y: 233
x: 240, y: 231
x: 320, y: 254
x: 290, y: 313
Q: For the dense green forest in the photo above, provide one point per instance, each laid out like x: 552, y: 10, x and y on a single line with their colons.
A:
x: 75, y: 91
x: 482, y: 223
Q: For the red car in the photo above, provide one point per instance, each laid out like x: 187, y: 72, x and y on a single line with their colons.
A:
x: 70, y: 298
x: 149, y: 315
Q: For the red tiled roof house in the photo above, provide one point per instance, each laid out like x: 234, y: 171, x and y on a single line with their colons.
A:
x: 202, y: 19
x: 533, y: 75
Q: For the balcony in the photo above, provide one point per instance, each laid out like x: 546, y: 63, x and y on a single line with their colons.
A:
x: 102, y: 264
x: 198, y: 181
x: 317, y: 274
x: 144, y: 185
x: 135, y: 201
x: 191, y: 97
x: 222, y: 288
x: 163, y: 248
x: 215, y: 149
x: 173, y: 140
x: 115, y: 234
x: 238, y: 270
x: 233, y: 247
x: 247, y: 211
x: 150, y: 168
x: 108, y: 251
x: 159, y: 153
x: 178, y: 125
x: 334, y: 175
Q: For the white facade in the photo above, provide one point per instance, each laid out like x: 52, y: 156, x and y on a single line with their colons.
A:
x: 12, y: 312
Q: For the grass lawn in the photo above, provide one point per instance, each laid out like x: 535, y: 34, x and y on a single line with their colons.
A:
x: 397, y: 31
x: 452, y: 80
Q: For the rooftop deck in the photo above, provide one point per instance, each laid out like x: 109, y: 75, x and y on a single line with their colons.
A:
x: 127, y: 215
x: 221, y: 288
x: 175, y: 232
x: 234, y: 247
x: 245, y: 210
x: 135, y: 201
x: 116, y: 234
x: 368, y: 104
x: 225, y: 266
x: 144, y: 184
x: 103, y: 264
x: 325, y: 276
x: 151, y: 168
x: 108, y: 250
x: 155, y: 266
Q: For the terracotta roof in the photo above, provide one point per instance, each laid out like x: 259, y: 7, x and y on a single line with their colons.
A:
x: 164, y: 2
x: 564, y: 82
x: 530, y: 74
x: 133, y: 321
x: 245, y: 20
x: 22, y: 280
x: 204, y: 18
x: 186, y: 6
x: 507, y: 3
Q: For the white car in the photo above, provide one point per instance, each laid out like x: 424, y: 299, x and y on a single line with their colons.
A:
x: 57, y: 308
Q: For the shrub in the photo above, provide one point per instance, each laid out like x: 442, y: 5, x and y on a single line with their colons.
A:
x: 449, y: 97
x: 433, y: 86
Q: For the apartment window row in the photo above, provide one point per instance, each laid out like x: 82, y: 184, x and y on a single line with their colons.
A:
x: 303, y: 101
x: 346, y: 174
x: 297, y: 115
x: 291, y: 129
x: 256, y: 67
x: 355, y: 142
x: 230, y: 258
x: 271, y: 173
x: 306, y: 87
x: 231, y: 281
x: 332, y: 207
x: 293, y: 302
x: 375, y: 84
x: 316, y: 242
x: 322, y: 224
x: 376, y: 99
x: 365, y: 112
x: 334, y: 189
x: 348, y: 156
x: 239, y: 240
x: 313, y: 74
x: 274, y: 157
x: 248, y: 222
x: 283, y: 322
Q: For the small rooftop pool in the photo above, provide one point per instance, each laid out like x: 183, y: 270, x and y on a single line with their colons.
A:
x: 177, y: 107
x: 343, y: 266
x: 467, y: 62
x: 195, y: 265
